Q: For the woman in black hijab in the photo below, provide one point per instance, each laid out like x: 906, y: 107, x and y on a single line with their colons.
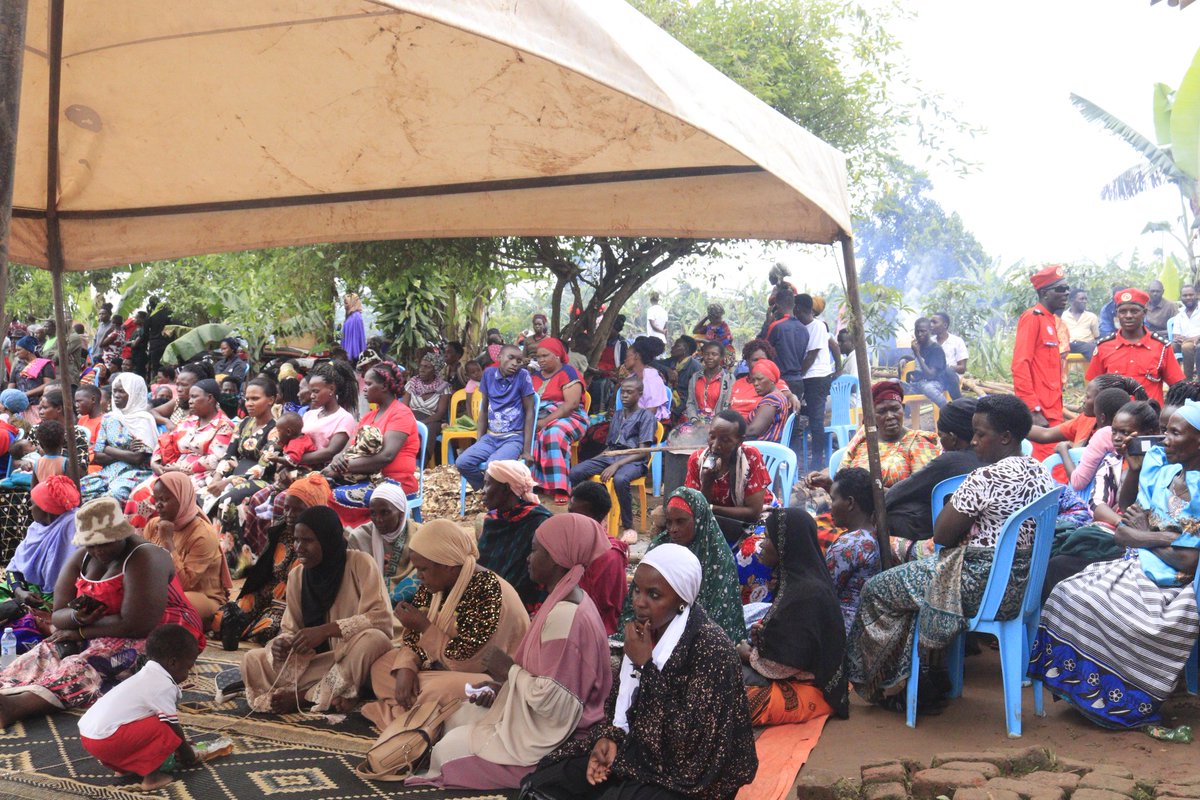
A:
x: 793, y: 661
x: 336, y: 624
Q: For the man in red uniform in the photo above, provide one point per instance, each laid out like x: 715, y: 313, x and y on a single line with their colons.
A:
x: 1037, y: 363
x: 1134, y: 351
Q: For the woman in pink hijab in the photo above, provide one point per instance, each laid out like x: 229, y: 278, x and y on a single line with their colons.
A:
x: 555, y: 686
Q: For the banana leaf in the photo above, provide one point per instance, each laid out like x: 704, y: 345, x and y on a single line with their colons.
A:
x: 195, y: 342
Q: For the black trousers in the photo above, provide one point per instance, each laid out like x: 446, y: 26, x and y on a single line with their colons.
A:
x: 567, y: 780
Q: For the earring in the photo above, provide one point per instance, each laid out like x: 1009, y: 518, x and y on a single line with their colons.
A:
x: 682, y: 606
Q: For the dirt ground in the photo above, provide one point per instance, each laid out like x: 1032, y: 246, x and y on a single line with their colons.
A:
x: 975, y: 722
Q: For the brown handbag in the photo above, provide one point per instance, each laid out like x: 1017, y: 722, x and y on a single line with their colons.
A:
x: 403, y: 747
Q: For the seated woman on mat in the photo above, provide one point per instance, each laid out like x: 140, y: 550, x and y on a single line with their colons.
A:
x: 561, y: 421
x: 125, y: 441
x: 902, y: 451
x: 395, y: 461
x: 513, y: 515
x: 551, y: 690
x: 1114, y: 639
x: 97, y: 642
x: 47, y: 545
x: 386, y: 537
x: 691, y: 524
x: 793, y: 659
x: 946, y: 588
x: 335, y: 626
x: 459, y: 611
x: 1073, y: 550
x: 186, y: 534
x: 676, y: 724
x: 258, y: 611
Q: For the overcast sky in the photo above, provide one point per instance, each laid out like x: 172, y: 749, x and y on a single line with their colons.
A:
x: 1009, y: 68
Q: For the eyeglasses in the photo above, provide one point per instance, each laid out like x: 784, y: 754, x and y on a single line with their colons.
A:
x: 1062, y: 288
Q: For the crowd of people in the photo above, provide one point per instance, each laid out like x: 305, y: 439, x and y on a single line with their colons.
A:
x: 272, y: 510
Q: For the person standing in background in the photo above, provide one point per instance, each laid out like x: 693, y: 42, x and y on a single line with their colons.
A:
x: 819, y: 366
x: 354, y: 335
x: 789, y: 337
x: 656, y: 319
x: 1036, y: 364
x: 1187, y: 329
x: 1082, y: 325
x: 102, y: 331
x: 1108, y: 314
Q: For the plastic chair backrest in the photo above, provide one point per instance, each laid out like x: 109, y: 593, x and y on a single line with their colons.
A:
x: 457, y: 401
x: 1026, y: 447
x: 937, y: 499
x: 835, y: 461
x: 785, y: 433
x: 840, y: 392
x: 780, y: 462
x: 1171, y: 328
x: 619, y: 405
x: 1043, y: 511
x: 1051, y: 461
x: 423, y: 433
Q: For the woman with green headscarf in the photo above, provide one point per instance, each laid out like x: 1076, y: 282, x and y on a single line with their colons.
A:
x: 691, y: 524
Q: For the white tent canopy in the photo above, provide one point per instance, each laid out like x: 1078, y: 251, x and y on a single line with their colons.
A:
x: 190, y: 128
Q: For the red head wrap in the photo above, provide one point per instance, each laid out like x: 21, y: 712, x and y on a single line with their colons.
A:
x: 56, y: 495
x: 554, y: 346
x: 883, y: 391
x: 767, y: 368
x: 312, y: 489
x: 679, y: 504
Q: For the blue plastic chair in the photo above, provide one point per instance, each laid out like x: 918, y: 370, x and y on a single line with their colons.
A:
x: 943, y: 490
x: 1054, y: 459
x: 840, y: 392
x: 835, y: 461
x: 781, y: 463
x: 1015, y: 635
x: 415, y: 501
x: 1026, y: 447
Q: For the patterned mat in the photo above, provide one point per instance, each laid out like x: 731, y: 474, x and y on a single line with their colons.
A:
x: 293, y: 757
x: 41, y: 758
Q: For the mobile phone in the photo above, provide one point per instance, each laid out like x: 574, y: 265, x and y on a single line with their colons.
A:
x: 1140, y: 445
x: 85, y: 603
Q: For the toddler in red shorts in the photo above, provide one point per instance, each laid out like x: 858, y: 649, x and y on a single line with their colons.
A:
x: 134, y: 729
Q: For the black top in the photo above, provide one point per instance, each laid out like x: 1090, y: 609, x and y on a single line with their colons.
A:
x: 909, y: 503
x: 789, y: 337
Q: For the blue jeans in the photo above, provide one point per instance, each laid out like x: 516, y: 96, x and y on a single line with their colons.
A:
x: 816, y: 394
x: 626, y: 474
x: 472, y: 463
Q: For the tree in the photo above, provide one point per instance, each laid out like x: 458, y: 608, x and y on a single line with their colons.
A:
x: 1174, y: 159
x: 909, y: 241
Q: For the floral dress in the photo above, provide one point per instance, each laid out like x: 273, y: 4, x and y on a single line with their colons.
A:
x: 120, y: 478
x: 898, y: 459
x: 852, y: 561
x: 200, y: 447
x: 246, y: 478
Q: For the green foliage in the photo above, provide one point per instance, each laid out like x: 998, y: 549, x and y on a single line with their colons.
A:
x: 882, y: 306
x: 31, y: 297
x: 991, y: 354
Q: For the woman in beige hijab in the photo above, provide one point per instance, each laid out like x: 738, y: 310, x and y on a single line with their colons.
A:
x: 458, y: 611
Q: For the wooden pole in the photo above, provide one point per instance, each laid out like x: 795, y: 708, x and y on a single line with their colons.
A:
x: 54, y: 250
x: 871, y: 430
x: 13, y: 15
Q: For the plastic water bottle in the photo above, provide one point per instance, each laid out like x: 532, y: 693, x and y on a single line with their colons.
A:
x: 8, y: 648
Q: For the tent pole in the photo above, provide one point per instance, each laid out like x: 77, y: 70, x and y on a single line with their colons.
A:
x: 13, y: 15
x: 54, y: 250
x: 868, y: 408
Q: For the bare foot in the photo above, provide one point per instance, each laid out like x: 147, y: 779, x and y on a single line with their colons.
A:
x: 630, y: 536
x: 155, y: 780
x: 343, y: 705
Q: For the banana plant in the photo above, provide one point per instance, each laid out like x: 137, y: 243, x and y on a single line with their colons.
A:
x: 1172, y: 157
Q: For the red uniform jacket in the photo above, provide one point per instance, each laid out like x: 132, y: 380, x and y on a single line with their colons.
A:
x: 1150, y: 361
x: 1037, y: 364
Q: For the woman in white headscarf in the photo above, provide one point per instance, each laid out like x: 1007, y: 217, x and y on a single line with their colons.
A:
x: 385, y: 538
x: 124, y: 442
x: 678, y: 724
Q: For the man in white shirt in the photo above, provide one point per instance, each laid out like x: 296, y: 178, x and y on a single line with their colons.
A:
x: 1186, y: 328
x: 953, y: 346
x: 656, y: 319
x: 819, y: 365
x: 1083, y: 325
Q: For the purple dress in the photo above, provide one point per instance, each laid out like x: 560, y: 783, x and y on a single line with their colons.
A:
x: 354, y: 336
